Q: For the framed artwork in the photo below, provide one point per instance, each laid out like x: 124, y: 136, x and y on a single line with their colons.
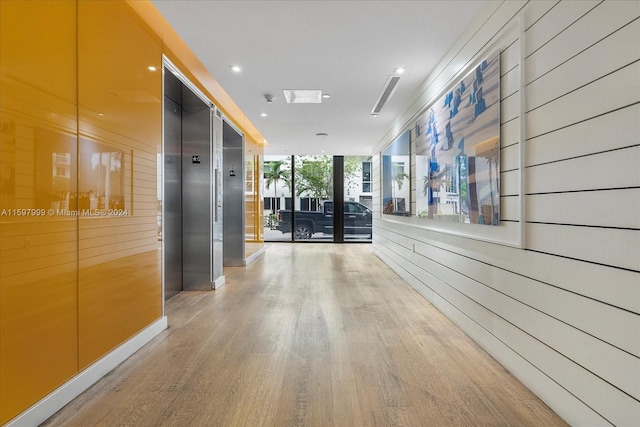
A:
x: 457, y: 143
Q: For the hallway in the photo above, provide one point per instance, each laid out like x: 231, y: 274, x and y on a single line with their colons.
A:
x: 308, y: 335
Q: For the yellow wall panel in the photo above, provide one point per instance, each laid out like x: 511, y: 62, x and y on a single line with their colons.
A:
x: 117, y: 300
x: 120, y: 123
x: 38, y: 252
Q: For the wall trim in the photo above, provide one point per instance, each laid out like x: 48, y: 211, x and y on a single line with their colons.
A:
x: 218, y: 282
x: 56, y: 400
x: 254, y: 255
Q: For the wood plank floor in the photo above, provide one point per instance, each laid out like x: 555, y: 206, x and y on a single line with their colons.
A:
x: 308, y: 335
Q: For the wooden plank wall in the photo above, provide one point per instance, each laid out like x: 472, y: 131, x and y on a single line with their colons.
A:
x: 563, y: 312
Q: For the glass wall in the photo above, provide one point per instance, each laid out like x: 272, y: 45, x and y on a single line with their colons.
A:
x: 357, y: 199
x: 306, y: 185
x: 276, y: 191
x: 313, y: 201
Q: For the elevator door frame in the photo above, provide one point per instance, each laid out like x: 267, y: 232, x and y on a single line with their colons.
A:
x: 168, y: 66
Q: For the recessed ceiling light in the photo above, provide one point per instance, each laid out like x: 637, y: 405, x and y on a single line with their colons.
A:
x: 263, y: 114
x: 399, y: 70
x: 236, y: 68
x: 151, y: 68
x: 322, y: 134
x: 101, y: 114
x: 374, y: 115
x: 303, y: 96
x: 326, y: 96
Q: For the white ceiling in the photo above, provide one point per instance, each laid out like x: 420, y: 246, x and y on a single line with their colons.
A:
x: 345, y: 48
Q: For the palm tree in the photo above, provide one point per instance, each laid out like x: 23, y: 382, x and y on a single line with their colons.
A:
x: 435, y: 182
x: 276, y: 172
x: 398, y: 178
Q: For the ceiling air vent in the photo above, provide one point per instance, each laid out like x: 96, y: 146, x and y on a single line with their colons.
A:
x: 387, y: 91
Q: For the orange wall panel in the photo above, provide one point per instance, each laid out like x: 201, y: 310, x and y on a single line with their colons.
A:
x: 120, y: 126
x: 81, y: 128
x: 38, y: 249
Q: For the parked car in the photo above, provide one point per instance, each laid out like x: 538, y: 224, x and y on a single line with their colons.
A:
x: 357, y: 220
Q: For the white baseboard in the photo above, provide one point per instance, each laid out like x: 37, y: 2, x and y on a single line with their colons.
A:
x: 254, y: 255
x: 56, y: 400
x: 219, y: 282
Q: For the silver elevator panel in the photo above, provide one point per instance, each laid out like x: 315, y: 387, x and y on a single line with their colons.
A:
x: 217, y: 275
x: 234, y: 193
x: 196, y: 190
x: 189, y: 190
x: 172, y: 199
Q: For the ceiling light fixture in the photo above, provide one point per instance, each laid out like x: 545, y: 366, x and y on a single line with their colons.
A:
x: 399, y: 70
x: 151, y: 68
x: 303, y: 96
x: 322, y: 134
x: 236, y: 68
x: 269, y: 98
x: 326, y: 96
x: 263, y: 114
x: 387, y: 91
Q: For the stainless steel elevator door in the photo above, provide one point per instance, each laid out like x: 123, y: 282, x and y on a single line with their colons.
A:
x: 187, y: 189
x: 196, y: 192
x: 233, y: 197
x: 172, y: 212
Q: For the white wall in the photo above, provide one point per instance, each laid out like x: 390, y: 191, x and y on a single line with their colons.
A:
x: 561, y: 313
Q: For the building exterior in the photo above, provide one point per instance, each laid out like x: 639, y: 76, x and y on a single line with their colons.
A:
x: 552, y: 293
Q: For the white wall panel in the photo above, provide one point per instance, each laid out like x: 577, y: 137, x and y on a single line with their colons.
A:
x: 510, y: 157
x: 509, y: 54
x: 551, y: 24
x: 615, y: 287
x: 609, y: 208
x: 509, y: 208
x: 510, y: 183
x: 536, y: 10
x: 606, y: 361
x: 510, y: 108
x: 615, y: 247
x: 564, y: 314
x: 620, y: 128
x: 601, y: 21
x: 622, y: 329
x: 510, y: 83
x: 612, y: 169
x: 510, y: 133
x: 583, y: 69
x: 611, y: 92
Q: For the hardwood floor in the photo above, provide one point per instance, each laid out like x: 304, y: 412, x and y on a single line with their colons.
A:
x: 308, y: 335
